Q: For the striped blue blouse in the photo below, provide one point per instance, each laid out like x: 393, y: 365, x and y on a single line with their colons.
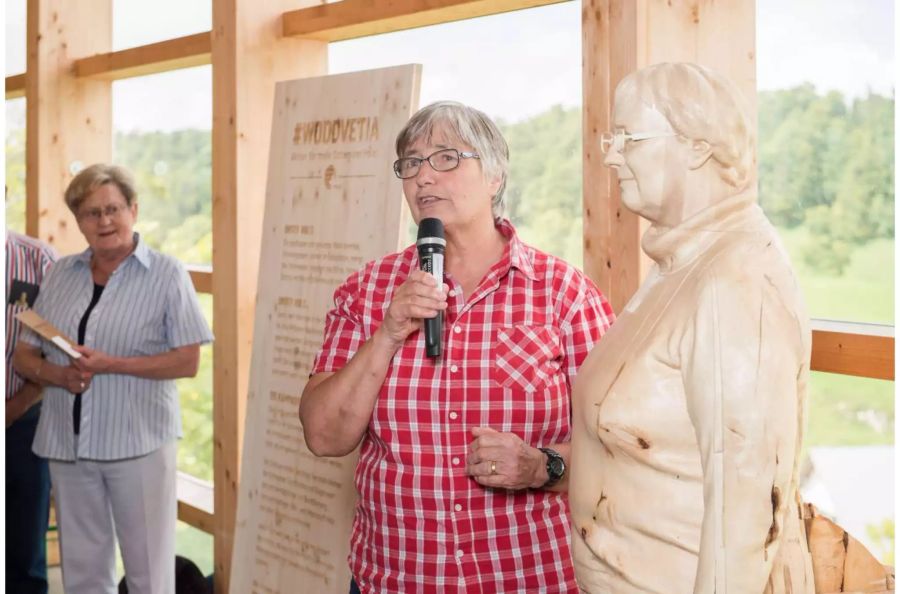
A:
x: 148, y: 307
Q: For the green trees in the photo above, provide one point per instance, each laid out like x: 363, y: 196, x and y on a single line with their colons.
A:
x: 543, y: 194
x: 173, y: 173
x: 828, y: 167
x: 15, y: 178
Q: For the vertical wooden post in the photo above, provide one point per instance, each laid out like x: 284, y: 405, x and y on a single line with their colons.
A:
x: 249, y: 56
x: 619, y: 37
x: 68, y: 120
x: 611, y: 232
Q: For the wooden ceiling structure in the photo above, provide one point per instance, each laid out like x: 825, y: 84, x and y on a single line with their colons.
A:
x: 255, y: 43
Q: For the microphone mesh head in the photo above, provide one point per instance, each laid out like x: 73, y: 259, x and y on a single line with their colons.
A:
x: 431, y: 228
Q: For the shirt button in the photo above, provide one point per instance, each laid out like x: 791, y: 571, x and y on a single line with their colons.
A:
x: 457, y: 329
x: 453, y: 415
x: 455, y: 460
x: 454, y: 369
x: 457, y: 507
x: 459, y: 553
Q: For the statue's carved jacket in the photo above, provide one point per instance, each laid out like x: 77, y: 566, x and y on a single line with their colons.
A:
x: 688, y: 418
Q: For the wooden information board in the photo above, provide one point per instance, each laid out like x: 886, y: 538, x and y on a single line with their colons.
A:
x: 332, y: 204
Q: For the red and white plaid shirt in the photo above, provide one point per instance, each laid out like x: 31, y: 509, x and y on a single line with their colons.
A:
x: 511, y: 352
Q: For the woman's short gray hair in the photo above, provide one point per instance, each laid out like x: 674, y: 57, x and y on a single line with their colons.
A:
x: 469, y: 126
x: 700, y: 104
x: 99, y: 174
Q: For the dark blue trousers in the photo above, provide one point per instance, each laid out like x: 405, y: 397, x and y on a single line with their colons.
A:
x: 27, y: 509
x: 354, y: 589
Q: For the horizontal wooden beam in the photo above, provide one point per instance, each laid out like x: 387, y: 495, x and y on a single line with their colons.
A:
x: 195, y: 502
x: 865, y: 350
x: 172, y: 54
x: 201, y: 277
x: 350, y: 19
x: 15, y: 86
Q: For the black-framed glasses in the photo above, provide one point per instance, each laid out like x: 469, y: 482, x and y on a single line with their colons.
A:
x: 616, y: 140
x: 95, y: 214
x: 442, y: 160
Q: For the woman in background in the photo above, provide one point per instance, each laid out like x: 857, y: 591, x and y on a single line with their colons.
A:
x: 111, y: 418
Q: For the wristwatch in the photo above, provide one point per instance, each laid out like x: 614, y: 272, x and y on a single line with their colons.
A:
x: 556, y: 467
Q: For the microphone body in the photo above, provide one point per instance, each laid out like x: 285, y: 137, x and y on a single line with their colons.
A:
x: 430, y: 244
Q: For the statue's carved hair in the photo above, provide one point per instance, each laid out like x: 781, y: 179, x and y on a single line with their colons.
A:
x: 700, y: 104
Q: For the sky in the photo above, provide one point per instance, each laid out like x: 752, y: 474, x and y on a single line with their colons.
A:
x: 511, y: 66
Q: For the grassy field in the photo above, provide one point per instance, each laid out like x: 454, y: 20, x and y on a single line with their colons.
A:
x: 863, y: 293
x: 846, y: 410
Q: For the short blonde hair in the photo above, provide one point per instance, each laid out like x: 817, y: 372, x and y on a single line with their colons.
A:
x: 99, y: 174
x: 700, y: 104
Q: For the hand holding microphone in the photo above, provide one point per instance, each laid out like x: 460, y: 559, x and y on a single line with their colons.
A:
x: 420, y: 297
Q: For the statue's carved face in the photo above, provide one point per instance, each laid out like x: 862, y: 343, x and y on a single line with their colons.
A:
x: 650, y: 171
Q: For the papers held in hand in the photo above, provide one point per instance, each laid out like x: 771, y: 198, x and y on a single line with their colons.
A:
x: 48, y: 331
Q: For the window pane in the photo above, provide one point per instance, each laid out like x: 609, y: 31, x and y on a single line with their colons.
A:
x: 15, y: 164
x: 138, y: 22
x: 162, y: 134
x: 826, y: 150
x: 493, y: 63
x: 195, y: 545
x: 15, y: 37
x: 195, y: 451
x: 848, y: 461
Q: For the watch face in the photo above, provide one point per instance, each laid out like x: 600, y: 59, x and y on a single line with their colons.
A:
x: 556, y: 467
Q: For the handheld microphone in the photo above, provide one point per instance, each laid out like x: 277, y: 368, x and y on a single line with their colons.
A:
x: 430, y: 242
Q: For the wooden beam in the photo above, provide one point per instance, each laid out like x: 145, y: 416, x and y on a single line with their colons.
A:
x: 865, y: 350
x: 350, y: 19
x: 196, y: 505
x: 612, y: 250
x: 172, y: 54
x: 15, y: 86
x: 202, y: 277
x: 249, y: 57
x: 68, y: 120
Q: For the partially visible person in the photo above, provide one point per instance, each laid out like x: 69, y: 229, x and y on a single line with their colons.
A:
x: 27, y: 476
x: 111, y: 419
x: 461, y: 472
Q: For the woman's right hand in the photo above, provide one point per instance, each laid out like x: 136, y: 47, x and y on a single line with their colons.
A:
x: 75, y: 380
x: 419, y: 297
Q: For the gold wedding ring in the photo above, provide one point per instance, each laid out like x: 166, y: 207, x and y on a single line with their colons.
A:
x: 493, y: 467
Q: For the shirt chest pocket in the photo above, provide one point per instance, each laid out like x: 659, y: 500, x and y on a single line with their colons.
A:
x: 526, y: 357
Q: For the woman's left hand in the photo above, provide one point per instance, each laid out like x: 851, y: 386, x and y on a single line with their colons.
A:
x: 503, y: 460
x: 93, y: 360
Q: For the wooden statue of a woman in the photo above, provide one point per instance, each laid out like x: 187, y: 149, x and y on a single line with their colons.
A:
x: 688, y: 415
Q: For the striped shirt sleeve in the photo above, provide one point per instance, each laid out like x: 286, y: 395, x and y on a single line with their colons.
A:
x: 185, y: 323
